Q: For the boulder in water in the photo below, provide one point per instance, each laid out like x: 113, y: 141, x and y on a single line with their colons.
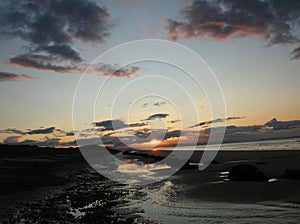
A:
x: 246, y: 172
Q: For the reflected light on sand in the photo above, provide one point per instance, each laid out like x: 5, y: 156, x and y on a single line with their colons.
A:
x: 144, y: 168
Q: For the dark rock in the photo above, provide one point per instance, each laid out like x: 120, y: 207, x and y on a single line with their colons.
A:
x: 246, y: 172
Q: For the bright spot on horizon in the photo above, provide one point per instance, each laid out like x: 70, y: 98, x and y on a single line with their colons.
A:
x: 154, y: 142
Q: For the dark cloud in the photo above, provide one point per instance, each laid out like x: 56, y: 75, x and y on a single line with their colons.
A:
x: 155, y: 104
x: 281, y: 125
x: 56, y: 21
x: 172, y: 134
x: 64, y: 133
x: 274, y: 20
x: 145, y: 105
x: 41, y: 62
x: 235, y: 118
x: 49, y: 130
x: 296, y: 53
x: 5, y: 76
x: 70, y: 133
x: 157, y: 116
x: 61, y: 52
x: 41, y: 131
x: 174, y: 121
x: 259, y: 130
x: 145, y: 133
x: 54, y: 140
x: 158, y: 104
x: 142, y: 133
x: 45, y: 62
x: 218, y: 120
x: 234, y: 129
x: 112, y: 141
x: 13, y: 130
x: 110, y: 125
x: 234, y: 133
x: 140, y: 137
x: 49, y: 142
x: 51, y: 27
x: 112, y: 70
x: 133, y: 125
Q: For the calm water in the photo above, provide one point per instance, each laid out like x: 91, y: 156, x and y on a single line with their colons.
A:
x: 280, y: 144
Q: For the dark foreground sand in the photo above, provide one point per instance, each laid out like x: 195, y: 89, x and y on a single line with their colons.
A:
x: 29, y: 174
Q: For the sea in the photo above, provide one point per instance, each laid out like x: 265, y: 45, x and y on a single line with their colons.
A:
x: 276, y: 144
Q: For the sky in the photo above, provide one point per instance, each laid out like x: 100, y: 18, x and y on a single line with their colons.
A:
x: 252, y: 47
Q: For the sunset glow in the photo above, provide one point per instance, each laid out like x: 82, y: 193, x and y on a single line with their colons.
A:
x: 154, y: 142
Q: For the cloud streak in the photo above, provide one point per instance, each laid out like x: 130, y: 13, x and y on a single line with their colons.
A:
x: 112, y: 70
x: 110, y: 125
x: 218, y: 120
x: 41, y: 131
x: 38, y: 131
x: 60, y: 52
x: 45, y: 62
x: 41, y: 62
x: 296, y: 53
x: 155, y: 104
x: 6, y: 76
x: 156, y: 116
